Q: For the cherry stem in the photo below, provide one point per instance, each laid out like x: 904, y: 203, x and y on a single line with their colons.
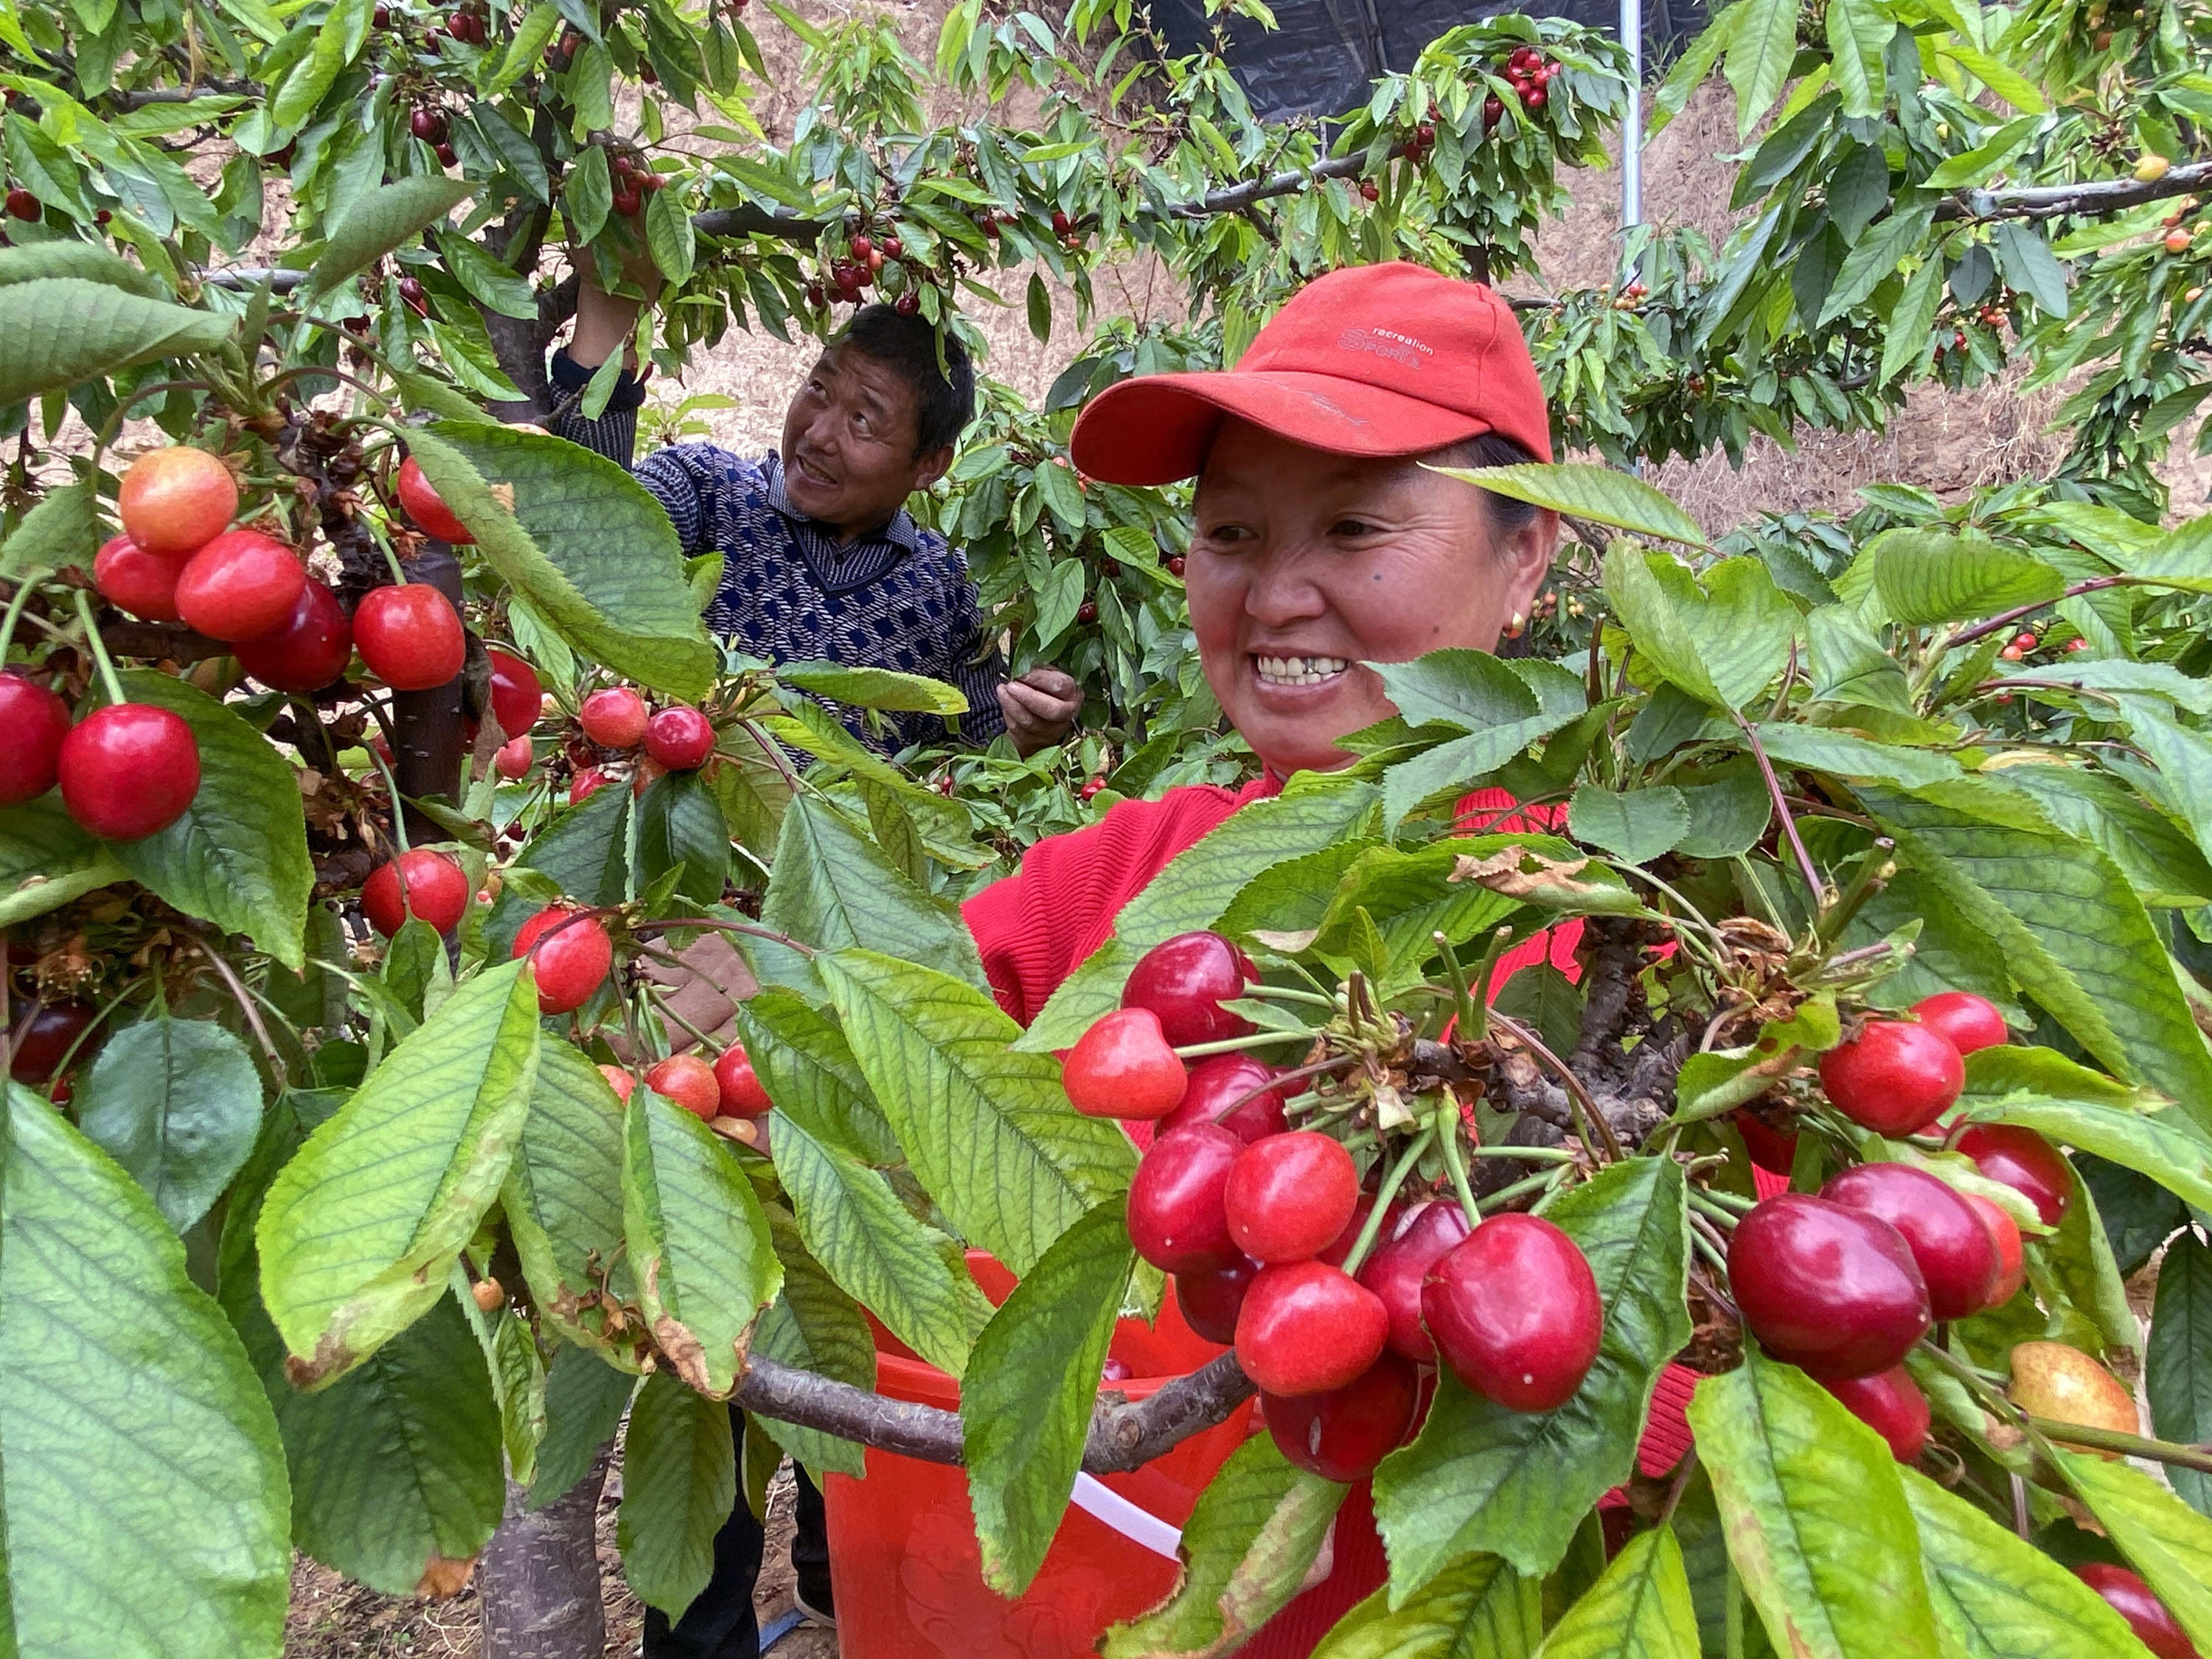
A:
x: 1335, y: 1062
x: 661, y: 1007
x: 1734, y: 1203
x: 392, y: 560
x: 1816, y: 890
x: 1237, y: 1045
x: 676, y: 924
x: 245, y: 1006
x: 1383, y: 1195
x: 1487, y: 970
x: 1874, y: 874
x: 1527, y: 1154
x: 14, y: 614
x: 1720, y: 1215
x: 2179, y: 1454
x: 1522, y: 1188
x: 1264, y: 993
x: 1467, y: 1012
x: 398, y: 815
x: 107, y: 678
x: 1455, y: 1162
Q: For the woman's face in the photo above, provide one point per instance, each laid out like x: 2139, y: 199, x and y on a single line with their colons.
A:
x: 1303, y: 565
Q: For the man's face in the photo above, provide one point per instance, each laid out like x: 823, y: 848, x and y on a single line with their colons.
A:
x: 848, y: 443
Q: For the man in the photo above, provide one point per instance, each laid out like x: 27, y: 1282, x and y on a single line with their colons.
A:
x: 820, y: 559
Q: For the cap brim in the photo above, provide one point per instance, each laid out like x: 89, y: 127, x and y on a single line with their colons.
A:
x: 1157, y: 429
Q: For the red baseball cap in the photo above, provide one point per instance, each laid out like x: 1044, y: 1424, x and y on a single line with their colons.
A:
x: 1373, y: 360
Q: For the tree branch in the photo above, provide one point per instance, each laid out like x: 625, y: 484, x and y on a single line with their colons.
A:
x: 2054, y: 201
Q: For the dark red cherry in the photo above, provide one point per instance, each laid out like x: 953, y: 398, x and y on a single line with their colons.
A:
x: 1515, y: 1311
x: 516, y: 693
x: 1306, y: 1328
x: 1888, y: 1402
x: 310, y: 650
x: 1123, y: 1067
x: 41, y: 1036
x: 1290, y: 1196
x: 2154, y: 1626
x: 1896, y: 1078
x: 32, y: 723
x: 1950, y: 1242
x: 129, y: 770
x: 437, y: 892
x: 410, y: 637
x: 1397, y: 1269
x: 2025, y: 1162
x: 1826, y: 1286
x: 1342, y: 1435
x: 240, y: 585
x: 1217, y: 1083
x: 573, y: 962
x: 1210, y: 1298
x: 131, y: 579
x: 1966, y: 1021
x: 1177, y: 1218
x: 1770, y: 1149
x: 2012, y: 1258
x: 1185, y: 981
x: 680, y: 738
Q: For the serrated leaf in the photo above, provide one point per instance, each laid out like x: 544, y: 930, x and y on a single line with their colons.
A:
x: 584, y: 1398
x: 1026, y: 1398
x: 64, y: 330
x: 176, y: 1103
x: 868, y: 687
x: 680, y: 827
x: 668, y: 234
x: 489, y: 281
x: 1816, y: 1516
x: 697, y: 1241
x: 1636, y: 825
x: 95, y: 1305
x: 987, y: 1129
x: 1476, y: 1608
x: 1924, y: 576
x: 2163, y: 1538
x: 1515, y: 1484
x: 1761, y: 45
x: 385, y: 218
x: 563, y: 1199
x: 53, y: 533
x: 359, y: 1231
x: 679, y: 1485
x: 817, y: 1328
x: 1640, y: 1608
x: 1858, y: 32
x: 46, y: 861
x: 1722, y: 640
x: 833, y: 887
x: 1603, y: 495
x: 2178, y: 1368
x: 82, y: 260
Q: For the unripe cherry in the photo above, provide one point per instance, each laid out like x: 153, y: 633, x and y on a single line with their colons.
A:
x: 1289, y: 1195
x: 1342, y: 1435
x: 573, y: 962
x: 427, y: 508
x: 1307, y: 1328
x: 437, y: 892
x: 1515, y: 1312
x: 614, y: 718
x: 517, y: 695
x: 488, y: 1294
x: 308, y: 650
x: 1185, y: 980
x: 1826, y: 1286
x: 739, y: 1085
x: 1895, y: 1078
x: 1177, y: 1218
x: 173, y: 500
x: 240, y: 585
x: 129, y: 770
x: 680, y: 738
x: 134, y: 580
x: 688, y: 1081
x: 1891, y: 1404
x: 2024, y: 1161
x: 1967, y: 1022
x: 410, y: 637
x: 1123, y: 1067
x: 34, y: 721
x: 2059, y: 1382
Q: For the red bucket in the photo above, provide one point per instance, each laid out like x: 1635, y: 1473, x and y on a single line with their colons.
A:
x: 903, y: 1563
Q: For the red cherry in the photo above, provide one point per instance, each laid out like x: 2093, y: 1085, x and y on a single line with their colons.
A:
x: 1950, y: 1242
x: 2025, y: 1162
x: 680, y: 739
x: 308, y: 650
x: 34, y: 721
x: 1210, y: 1298
x: 1061, y: 223
x: 428, y: 124
x: 176, y: 500
x: 627, y: 202
x: 2011, y: 1258
x: 2154, y: 1627
x: 1770, y: 1149
x: 240, y: 585
x: 894, y: 248
x: 1307, y: 1328
x: 1397, y: 1270
x: 1368, y: 192
x: 1219, y: 1079
x: 516, y: 692
x: 1342, y: 1435
x: 1290, y: 1196
x: 860, y: 247
x: 1175, y: 565
x: 690, y: 1082
x: 24, y: 205
x: 129, y: 770
x: 1492, y: 109
x: 620, y: 1081
x: 1177, y: 1218
x: 131, y: 579
x: 1089, y: 792
x: 585, y: 784
x: 1185, y: 981
x: 1534, y: 99
x: 410, y: 637
x: 572, y: 963
x: 1123, y: 1067
x: 908, y: 305
x: 614, y: 718
x: 41, y: 1038
x: 514, y: 760
x: 1965, y: 1021
x: 1087, y: 613
x: 1515, y: 1311
x: 739, y: 1087
x: 427, y: 507
x: 1826, y: 1286
x: 1891, y: 1404
x: 1897, y: 1079
x: 437, y: 892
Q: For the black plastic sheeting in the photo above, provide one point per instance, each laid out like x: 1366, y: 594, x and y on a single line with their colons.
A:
x: 1320, y: 59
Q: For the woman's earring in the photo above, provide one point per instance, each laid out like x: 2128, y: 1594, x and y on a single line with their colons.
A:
x: 1513, y: 628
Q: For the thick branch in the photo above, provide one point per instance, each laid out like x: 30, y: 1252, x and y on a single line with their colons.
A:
x: 2054, y: 201
x: 1131, y: 1433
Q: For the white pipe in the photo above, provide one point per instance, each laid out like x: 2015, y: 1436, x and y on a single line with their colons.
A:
x: 1632, y: 129
x: 1095, y: 1497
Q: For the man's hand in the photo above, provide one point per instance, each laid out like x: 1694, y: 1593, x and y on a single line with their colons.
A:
x: 1040, y: 707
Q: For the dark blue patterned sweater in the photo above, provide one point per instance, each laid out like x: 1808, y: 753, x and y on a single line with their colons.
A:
x: 897, y: 597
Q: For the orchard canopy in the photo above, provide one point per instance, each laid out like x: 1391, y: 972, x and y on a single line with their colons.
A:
x: 351, y: 1191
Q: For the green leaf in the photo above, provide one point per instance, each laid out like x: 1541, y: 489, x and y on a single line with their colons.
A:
x: 1516, y: 1483
x: 1923, y: 576
x: 594, y: 553
x: 1817, y: 750
x: 177, y: 1102
x: 489, y: 283
x: 1636, y: 825
x: 1040, y: 307
x: 588, y: 195
x: 359, y: 1231
x: 668, y: 234
x: 1026, y: 1398
x: 385, y: 218
x: 987, y: 1129
x: 1816, y: 1516
x: 2000, y: 1597
x: 64, y: 330
x: 2163, y: 1538
x: 679, y: 827
x: 1878, y: 252
x: 697, y: 1240
x: 563, y: 1199
x: 584, y: 1398
x: 1728, y: 814
x: 1246, y: 1548
x: 2177, y: 1368
x: 1858, y: 31
x: 679, y: 1485
x: 70, y: 258
x: 46, y: 861
x: 902, y: 1269
x: 53, y: 533
x: 817, y: 1328
x: 584, y: 850
x: 1908, y: 342
x: 1603, y: 495
x: 1312, y: 812
x: 833, y: 887
x: 1640, y: 1608
x: 1762, y: 44
x: 1476, y: 1608
x: 1722, y: 642
x: 141, y: 1485
x: 238, y: 855
x: 868, y: 687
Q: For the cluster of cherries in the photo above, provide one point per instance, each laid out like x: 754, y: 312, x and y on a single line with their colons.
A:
x: 1333, y: 1310
x: 852, y: 276
x: 728, y: 1087
x: 1529, y: 73
x: 428, y: 123
x: 633, y: 182
x: 675, y: 739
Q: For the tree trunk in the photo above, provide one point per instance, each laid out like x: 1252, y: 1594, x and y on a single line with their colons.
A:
x: 538, y: 1581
